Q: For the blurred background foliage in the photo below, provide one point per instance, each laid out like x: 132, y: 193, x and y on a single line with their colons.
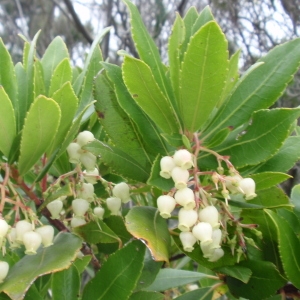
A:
x: 254, y: 26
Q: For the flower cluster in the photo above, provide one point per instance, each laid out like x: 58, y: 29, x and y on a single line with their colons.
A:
x: 198, y: 215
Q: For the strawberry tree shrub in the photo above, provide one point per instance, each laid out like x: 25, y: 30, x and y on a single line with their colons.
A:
x: 148, y: 179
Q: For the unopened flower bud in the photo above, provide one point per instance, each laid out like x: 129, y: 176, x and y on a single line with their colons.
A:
x: 99, y: 212
x: 186, y: 198
x: 166, y: 205
x: 86, y: 191
x: 121, y: 190
x: 12, y: 236
x: 183, y: 159
x: 77, y: 221
x: 180, y: 177
x: 206, y: 248
x: 80, y: 207
x: 167, y: 164
x: 55, y: 208
x: 216, y: 238
x: 210, y: 215
x: 47, y: 234
x: 188, y: 240
x: 232, y: 183
x: 91, y: 176
x: 203, y: 232
x: 32, y: 241
x: 186, y: 219
x: 216, y: 254
x: 248, y: 187
x: 74, y: 153
x: 22, y: 227
x: 84, y: 137
x: 88, y: 160
x: 4, y: 267
x: 114, y: 205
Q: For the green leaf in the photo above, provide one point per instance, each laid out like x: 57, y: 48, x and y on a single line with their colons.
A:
x: 149, y: 272
x: 171, y: 278
x: 201, y: 89
x: 55, y: 53
x: 295, y: 196
x: 289, y: 247
x: 96, y: 232
x: 146, y: 224
x: 284, y: 159
x: 145, y: 91
x: 95, y: 47
x: 120, y: 162
x: 65, y: 284
x: 7, y: 75
x: 148, y: 52
x: 118, y: 275
x: 116, y: 123
x: 7, y: 122
x: 268, y: 179
x: 246, y: 150
x: 241, y: 273
x: 292, y: 218
x: 82, y: 262
x: 264, y: 275
x: 174, y: 139
x: 189, y: 20
x: 156, y: 180
x: 116, y: 224
x: 148, y: 130
x: 61, y: 74
x: 206, y: 293
x: 68, y: 102
x: 94, y: 66
x: 175, y: 41
x: 50, y: 259
x: 218, y: 138
x: 273, y: 196
x: 39, y: 83
x: 232, y: 76
x: 204, y: 17
x: 142, y: 295
x: 260, y: 87
x: 39, y: 130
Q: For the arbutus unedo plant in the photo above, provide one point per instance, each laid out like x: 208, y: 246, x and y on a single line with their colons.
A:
x: 149, y: 179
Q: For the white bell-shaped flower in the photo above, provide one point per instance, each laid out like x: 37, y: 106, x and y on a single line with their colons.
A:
x: 114, y: 205
x: 77, y: 221
x: 74, y: 151
x: 203, y: 232
x: 210, y: 215
x: 4, y: 268
x: 180, y: 177
x: 186, y: 198
x: 166, y: 205
x: 188, y: 241
x: 55, y: 207
x: 3, y: 230
x: 232, y: 183
x: 216, y: 254
x: 206, y: 248
x: 248, y: 187
x: 216, y: 238
x: 186, y: 219
x: 12, y: 238
x: 167, y: 164
x: 121, y: 190
x: 84, y: 137
x: 91, y: 176
x: 86, y: 191
x: 22, y: 227
x: 47, y: 234
x: 88, y: 160
x: 32, y: 241
x: 80, y: 207
x: 99, y: 212
x: 183, y: 159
